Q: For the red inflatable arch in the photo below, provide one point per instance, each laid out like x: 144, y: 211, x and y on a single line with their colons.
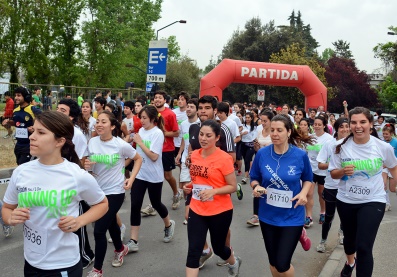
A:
x: 246, y: 72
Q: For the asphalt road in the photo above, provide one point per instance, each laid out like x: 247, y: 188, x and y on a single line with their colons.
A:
x: 156, y: 258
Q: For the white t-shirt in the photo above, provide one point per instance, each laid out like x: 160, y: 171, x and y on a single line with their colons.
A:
x: 251, y: 134
x: 151, y: 171
x: 236, y: 119
x: 323, y: 157
x: 185, y: 125
x: 91, y: 127
x: 129, y: 122
x: 51, y: 191
x: 313, y: 150
x: 263, y: 141
x: 366, y: 184
x: 180, y: 117
x: 80, y: 143
x: 110, y: 159
x: 232, y: 127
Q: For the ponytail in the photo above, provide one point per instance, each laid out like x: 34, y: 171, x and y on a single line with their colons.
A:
x: 69, y: 153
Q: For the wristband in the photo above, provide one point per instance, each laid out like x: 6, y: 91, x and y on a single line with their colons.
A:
x: 254, y: 186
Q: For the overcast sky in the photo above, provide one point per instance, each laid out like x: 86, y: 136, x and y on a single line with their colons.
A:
x: 210, y: 24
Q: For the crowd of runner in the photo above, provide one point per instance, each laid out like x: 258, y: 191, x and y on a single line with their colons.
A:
x: 100, y: 149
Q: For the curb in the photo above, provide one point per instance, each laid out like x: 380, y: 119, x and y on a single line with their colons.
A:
x: 333, y: 261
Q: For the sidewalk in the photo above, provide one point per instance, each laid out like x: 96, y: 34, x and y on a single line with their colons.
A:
x: 385, y: 258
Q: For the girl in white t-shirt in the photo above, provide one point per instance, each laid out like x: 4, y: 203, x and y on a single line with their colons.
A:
x: 321, y: 135
x: 108, y: 156
x: 149, y: 141
x: 86, y: 110
x: 358, y: 162
x: 48, y: 207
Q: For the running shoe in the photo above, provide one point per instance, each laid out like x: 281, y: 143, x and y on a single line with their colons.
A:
x: 388, y: 207
x: 253, y: 221
x: 239, y: 192
x: 347, y: 269
x: 308, y: 222
x: 95, y: 273
x: 321, y: 247
x: 86, y: 263
x: 169, y: 232
x: 244, y: 180
x: 204, y: 257
x: 119, y: 256
x: 6, y: 136
x: 234, y: 269
x: 221, y: 262
x: 148, y: 210
x: 122, y: 231
x: 322, y: 219
x: 305, y: 240
x: 7, y: 230
x: 340, y: 237
x: 176, y: 201
x: 184, y: 222
x: 132, y: 246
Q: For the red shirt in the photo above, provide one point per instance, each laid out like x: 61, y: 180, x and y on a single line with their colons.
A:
x: 9, y: 108
x: 170, y: 125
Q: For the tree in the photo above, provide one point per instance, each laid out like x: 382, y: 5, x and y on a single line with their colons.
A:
x: 294, y: 54
x: 327, y: 54
x: 182, y: 75
x: 348, y: 84
x: 342, y: 49
x: 388, y: 94
x: 387, y: 52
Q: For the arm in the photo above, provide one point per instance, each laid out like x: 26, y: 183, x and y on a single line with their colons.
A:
x: 125, y: 132
x: 153, y: 156
x: 171, y: 133
x: 323, y: 166
x: 137, y: 166
x: 348, y: 170
x: 178, y: 157
x: 302, y: 196
x: 237, y: 139
x: 93, y: 214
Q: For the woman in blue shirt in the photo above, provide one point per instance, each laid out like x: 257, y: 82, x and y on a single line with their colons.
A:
x: 281, y: 175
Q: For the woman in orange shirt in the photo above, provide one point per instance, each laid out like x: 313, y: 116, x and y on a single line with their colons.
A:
x: 211, y: 208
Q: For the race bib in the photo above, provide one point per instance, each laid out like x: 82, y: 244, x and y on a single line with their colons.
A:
x: 35, y: 237
x: 21, y: 133
x: 279, y: 198
x: 358, y: 191
x: 196, y: 190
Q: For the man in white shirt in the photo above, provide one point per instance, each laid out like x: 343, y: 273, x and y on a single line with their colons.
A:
x: 181, y: 116
x: 223, y: 113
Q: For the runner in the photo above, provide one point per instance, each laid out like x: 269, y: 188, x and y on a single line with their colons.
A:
x: 358, y: 161
x: 86, y: 110
x: 211, y: 208
x: 108, y: 156
x: 342, y: 130
x: 321, y: 136
x: 149, y: 142
x: 248, y: 135
x: 390, y: 184
x: 50, y: 246
x: 276, y: 176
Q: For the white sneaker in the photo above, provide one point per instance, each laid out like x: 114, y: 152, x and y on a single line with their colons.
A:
x: 169, y: 232
x: 176, y: 201
x: 340, y: 237
x: 321, y: 247
x: 148, y: 210
x: 234, y: 269
x: 119, y: 257
x: 388, y: 207
x: 122, y: 230
x: 132, y: 246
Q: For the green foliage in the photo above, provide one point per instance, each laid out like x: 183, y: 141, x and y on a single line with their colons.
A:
x: 342, y: 49
x: 387, y: 93
x: 387, y: 53
x: 182, y: 75
x: 326, y: 55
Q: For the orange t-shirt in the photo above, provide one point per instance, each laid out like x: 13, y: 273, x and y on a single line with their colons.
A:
x: 210, y: 172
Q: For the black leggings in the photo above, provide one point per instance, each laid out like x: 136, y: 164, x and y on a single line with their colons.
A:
x: 256, y: 205
x: 108, y: 222
x: 197, y: 229
x: 360, y: 226
x: 280, y: 243
x: 138, y: 191
x: 73, y: 271
x: 247, y: 153
x: 329, y: 196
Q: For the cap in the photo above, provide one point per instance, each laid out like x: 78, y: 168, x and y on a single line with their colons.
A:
x: 279, y: 108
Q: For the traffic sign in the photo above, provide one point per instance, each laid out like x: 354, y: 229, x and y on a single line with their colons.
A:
x: 157, y: 61
x: 261, y: 95
x: 149, y: 86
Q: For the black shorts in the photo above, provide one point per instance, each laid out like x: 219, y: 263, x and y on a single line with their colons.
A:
x: 320, y: 180
x: 176, y: 151
x: 168, y: 161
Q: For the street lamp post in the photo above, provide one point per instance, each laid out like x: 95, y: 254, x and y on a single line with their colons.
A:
x: 178, y: 21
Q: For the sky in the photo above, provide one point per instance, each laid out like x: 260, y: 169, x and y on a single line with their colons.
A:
x: 211, y: 23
